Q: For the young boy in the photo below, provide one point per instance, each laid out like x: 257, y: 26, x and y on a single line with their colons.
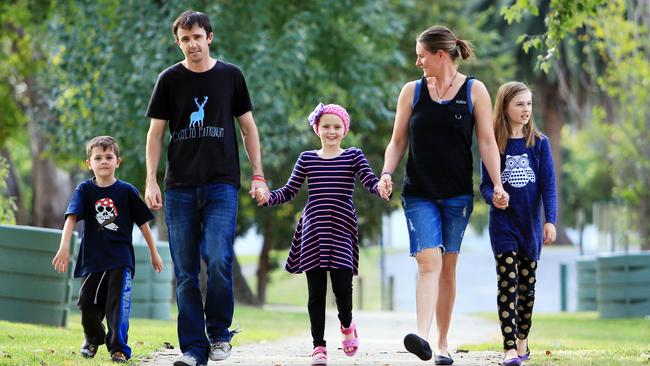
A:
x: 106, y: 261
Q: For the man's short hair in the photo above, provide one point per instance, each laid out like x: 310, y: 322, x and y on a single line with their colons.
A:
x: 104, y: 142
x: 190, y: 17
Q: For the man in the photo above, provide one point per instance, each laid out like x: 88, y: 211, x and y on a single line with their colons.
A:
x: 199, y: 97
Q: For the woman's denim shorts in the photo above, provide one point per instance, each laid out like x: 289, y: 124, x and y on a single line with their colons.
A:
x: 434, y: 223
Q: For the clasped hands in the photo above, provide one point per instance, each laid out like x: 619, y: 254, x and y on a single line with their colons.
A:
x: 385, y: 186
x: 260, y: 192
x: 500, y: 198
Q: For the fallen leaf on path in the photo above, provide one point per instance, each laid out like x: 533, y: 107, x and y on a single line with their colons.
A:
x: 548, y: 353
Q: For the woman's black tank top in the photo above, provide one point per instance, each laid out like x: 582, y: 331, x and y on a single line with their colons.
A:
x: 439, y: 161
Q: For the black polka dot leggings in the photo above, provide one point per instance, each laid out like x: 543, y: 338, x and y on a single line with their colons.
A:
x: 516, y: 296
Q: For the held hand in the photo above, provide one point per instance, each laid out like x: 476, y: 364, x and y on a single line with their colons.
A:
x: 156, y: 262
x: 255, y: 185
x: 500, y: 199
x: 549, y: 233
x: 60, y: 261
x: 262, y: 196
x: 152, y: 196
x: 500, y: 202
x: 385, y: 186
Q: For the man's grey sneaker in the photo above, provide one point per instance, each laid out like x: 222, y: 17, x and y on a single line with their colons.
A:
x: 186, y: 359
x: 219, y: 351
x: 88, y: 350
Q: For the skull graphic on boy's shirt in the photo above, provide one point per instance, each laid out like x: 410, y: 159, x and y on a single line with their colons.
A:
x: 106, y: 213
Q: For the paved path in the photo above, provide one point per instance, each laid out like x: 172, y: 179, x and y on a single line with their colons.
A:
x: 381, y: 335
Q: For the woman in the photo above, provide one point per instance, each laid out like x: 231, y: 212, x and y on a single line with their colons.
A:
x: 435, y: 118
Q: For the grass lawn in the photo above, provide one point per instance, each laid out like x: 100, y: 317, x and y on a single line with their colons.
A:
x: 291, y: 289
x: 27, y: 344
x: 583, y: 339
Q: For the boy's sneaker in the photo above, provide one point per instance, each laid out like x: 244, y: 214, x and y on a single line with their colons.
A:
x: 88, y: 350
x: 119, y: 357
x: 219, y: 351
x: 186, y: 359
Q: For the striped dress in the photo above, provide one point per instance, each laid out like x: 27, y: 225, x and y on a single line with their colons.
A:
x: 327, y: 234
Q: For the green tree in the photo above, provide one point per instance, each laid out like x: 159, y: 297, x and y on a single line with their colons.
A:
x: 22, y: 29
x: 590, y: 180
x: 493, y: 63
x: 618, y: 32
x: 622, y: 36
x: 322, y: 51
x: 106, y: 56
x: 561, y: 87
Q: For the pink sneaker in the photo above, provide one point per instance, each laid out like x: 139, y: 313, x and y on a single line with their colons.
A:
x: 319, y: 356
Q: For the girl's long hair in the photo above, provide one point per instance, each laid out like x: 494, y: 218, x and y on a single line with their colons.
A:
x: 502, y: 128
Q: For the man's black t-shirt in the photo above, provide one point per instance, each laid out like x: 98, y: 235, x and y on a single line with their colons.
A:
x: 200, y: 108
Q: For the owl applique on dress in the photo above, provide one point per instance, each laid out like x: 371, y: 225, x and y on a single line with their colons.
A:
x: 517, y: 171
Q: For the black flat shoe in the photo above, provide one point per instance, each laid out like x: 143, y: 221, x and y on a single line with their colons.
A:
x: 418, y: 347
x: 444, y: 360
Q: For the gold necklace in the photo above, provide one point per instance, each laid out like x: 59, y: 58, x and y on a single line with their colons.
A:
x: 446, y: 89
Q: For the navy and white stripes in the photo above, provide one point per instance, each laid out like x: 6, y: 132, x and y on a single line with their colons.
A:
x: 327, y: 233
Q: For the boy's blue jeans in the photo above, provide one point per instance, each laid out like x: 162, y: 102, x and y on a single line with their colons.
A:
x: 201, y: 222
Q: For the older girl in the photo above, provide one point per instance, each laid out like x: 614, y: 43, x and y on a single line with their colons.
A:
x: 517, y: 233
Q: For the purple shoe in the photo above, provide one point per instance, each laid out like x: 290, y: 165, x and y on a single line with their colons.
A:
x: 511, y: 362
x: 525, y: 357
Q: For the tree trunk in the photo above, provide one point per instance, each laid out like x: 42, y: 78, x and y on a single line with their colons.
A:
x: 243, y: 293
x: 554, y: 120
x: 644, y: 221
x: 52, y: 191
x: 161, y: 225
x: 263, y: 264
x: 52, y: 187
x: 13, y: 189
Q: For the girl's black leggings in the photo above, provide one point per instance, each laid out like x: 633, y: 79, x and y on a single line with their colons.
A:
x: 516, y: 296
x: 317, y: 285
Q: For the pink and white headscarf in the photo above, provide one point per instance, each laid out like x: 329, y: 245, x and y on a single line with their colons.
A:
x: 334, y: 109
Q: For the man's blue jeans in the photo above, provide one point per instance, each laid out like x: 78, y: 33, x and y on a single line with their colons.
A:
x: 201, y: 222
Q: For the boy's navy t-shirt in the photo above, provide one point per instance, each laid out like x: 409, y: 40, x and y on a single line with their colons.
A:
x: 200, y: 108
x: 109, y: 214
